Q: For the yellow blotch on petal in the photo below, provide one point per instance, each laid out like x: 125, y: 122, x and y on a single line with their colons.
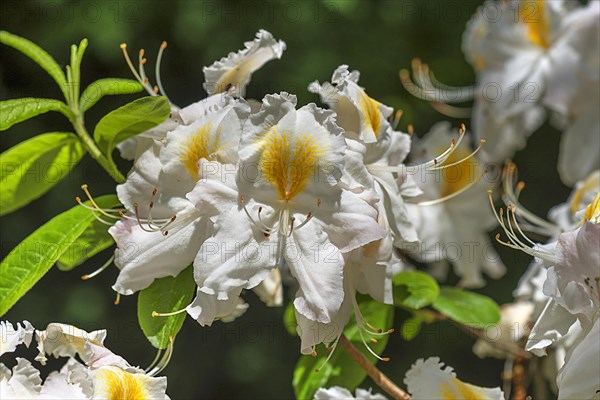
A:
x: 589, y: 184
x: 288, y: 161
x: 533, y: 15
x: 460, y: 175
x: 592, y: 212
x: 115, y: 384
x: 457, y: 390
x: 199, y: 146
x: 370, y: 111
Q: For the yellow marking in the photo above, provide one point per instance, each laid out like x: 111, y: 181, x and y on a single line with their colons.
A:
x: 590, y: 183
x: 116, y: 384
x: 534, y: 17
x: 458, y: 176
x: 370, y: 111
x: 199, y: 146
x: 457, y: 390
x: 288, y: 161
x: 592, y: 212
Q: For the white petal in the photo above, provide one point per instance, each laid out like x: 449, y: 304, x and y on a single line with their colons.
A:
x: 552, y: 325
x: 10, y: 337
x: 144, y: 256
x: 61, y: 340
x: 235, y: 70
x: 25, y: 382
x: 113, y: 382
x: 270, y: 291
x: 428, y: 379
x: 206, y: 308
x: 318, y: 266
x: 333, y: 393
x: 580, y: 376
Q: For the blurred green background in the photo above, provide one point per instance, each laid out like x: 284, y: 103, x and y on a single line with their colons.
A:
x: 253, y: 357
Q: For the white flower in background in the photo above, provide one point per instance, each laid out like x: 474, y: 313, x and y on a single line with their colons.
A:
x: 429, y: 379
x: 104, y: 375
x: 283, y: 207
x: 162, y: 232
x: 340, y: 393
x: 11, y: 337
x: 234, y: 71
x: 529, y: 56
x: 453, y: 223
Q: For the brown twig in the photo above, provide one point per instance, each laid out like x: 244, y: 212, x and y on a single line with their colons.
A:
x: 378, y: 377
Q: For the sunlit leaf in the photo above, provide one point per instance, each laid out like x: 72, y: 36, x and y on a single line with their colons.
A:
x: 91, y: 242
x: 34, y: 166
x: 105, y: 87
x: 414, y: 289
x: 19, y: 110
x: 165, y: 295
x: 129, y: 120
x: 34, y: 256
x: 38, y: 55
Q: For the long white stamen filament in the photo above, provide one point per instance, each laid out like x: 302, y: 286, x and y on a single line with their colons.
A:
x: 473, y: 153
x: 99, y: 270
x: 164, y: 361
x: 331, y: 350
x: 511, y: 196
x: 161, y: 89
x: 360, y: 322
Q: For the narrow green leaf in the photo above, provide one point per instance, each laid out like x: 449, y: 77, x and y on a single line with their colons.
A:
x: 289, y: 319
x: 467, y: 307
x: 129, y: 120
x: 109, y: 86
x: 38, y: 55
x: 342, y: 370
x: 34, y: 256
x: 19, y: 110
x: 91, y: 242
x: 31, y: 168
x: 165, y: 295
x: 414, y: 289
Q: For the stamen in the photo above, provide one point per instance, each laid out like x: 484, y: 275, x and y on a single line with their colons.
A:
x: 168, y: 314
x: 453, y: 194
x: 99, y: 270
x: 331, y: 350
x: 164, y: 361
x: 154, y: 361
x: 396, y: 119
x: 96, y: 207
x: 161, y: 89
x: 117, y: 299
x: 134, y: 72
x: 481, y: 143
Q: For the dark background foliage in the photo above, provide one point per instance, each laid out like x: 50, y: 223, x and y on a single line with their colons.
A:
x: 253, y: 357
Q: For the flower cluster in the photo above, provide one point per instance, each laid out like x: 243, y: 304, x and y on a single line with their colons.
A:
x: 101, y: 375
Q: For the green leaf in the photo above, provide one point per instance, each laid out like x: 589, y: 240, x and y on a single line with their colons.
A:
x: 129, y: 120
x: 411, y: 327
x: 91, y: 242
x: 165, y: 295
x: 289, y: 319
x: 414, y: 289
x: 467, y: 307
x: 19, y: 110
x: 341, y: 369
x: 34, y: 166
x: 38, y: 55
x: 103, y: 87
x: 34, y: 256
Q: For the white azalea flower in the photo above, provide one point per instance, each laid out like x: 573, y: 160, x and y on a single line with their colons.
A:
x: 24, y: 382
x: 11, y: 337
x: 284, y: 207
x: 234, y: 71
x: 428, y: 379
x: 163, y: 231
x: 340, y: 393
x: 453, y: 226
x: 529, y: 56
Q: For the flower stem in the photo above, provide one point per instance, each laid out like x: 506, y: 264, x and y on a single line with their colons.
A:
x: 94, y: 151
x: 378, y: 377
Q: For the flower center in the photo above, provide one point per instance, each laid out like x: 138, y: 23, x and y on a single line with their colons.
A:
x: 534, y: 17
x: 202, y: 145
x: 116, y: 384
x: 288, y: 161
x: 459, y: 390
x: 592, y: 212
